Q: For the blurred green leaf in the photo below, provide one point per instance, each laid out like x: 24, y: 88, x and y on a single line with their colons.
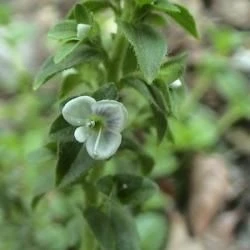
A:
x: 114, y: 229
x: 142, y: 87
x: 65, y: 30
x: 80, y: 55
x: 164, y: 5
x: 124, y: 227
x: 173, y: 68
x: 130, y: 189
x: 106, y: 91
x: 61, y: 130
x: 97, y: 5
x: 150, y: 47
x: 101, y: 226
x: 73, y: 162
x: 182, y: 17
x: 70, y: 82
x: 152, y: 230
x: 64, y: 50
x: 147, y: 162
x: 82, y: 14
x: 143, y: 2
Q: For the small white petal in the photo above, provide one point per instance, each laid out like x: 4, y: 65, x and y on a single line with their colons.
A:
x: 82, y: 30
x: 176, y: 84
x: 81, y: 134
x: 77, y: 110
x: 102, y: 145
x: 113, y: 112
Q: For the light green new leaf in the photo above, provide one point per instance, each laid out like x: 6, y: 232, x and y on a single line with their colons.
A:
x: 80, y: 55
x: 65, y: 30
x: 64, y: 50
x: 172, y: 69
x: 182, y: 17
x: 149, y: 46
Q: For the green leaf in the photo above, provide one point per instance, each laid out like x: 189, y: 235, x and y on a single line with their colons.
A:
x: 70, y: 82
x: 114, y: 229
x: 130, y: 189
x: 143, y: 2
x: 73, y: 162
x: 61, y: 130
x: 149, y: 46
x: 124, y: 227
x: 172, y: 69
x: 82, y: 14
x: 152, y: 228
x: 106, y: 91
x: 147, y: 162
x: 65, y: 30
x: 161, y: 123
x: 64, y: 50
x: 182, y: 17
x: 166, y: 6
x: 80, y: 55
x: 97, y: 5
x: 141, y: 86
x: 101, y: 227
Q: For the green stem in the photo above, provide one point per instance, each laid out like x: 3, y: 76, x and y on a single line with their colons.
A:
x: 117, y: 58
x: 115, y: 67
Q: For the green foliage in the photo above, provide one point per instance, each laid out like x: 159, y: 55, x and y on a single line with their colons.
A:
x: 150, y: 48
x: 113, y: 228
x: 181, y: 15
x: 64, y: 31
x: 80, y: 55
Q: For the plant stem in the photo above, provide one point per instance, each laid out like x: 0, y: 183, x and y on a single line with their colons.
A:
x: 117, y: 58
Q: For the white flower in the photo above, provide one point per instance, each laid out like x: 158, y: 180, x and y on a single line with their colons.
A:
x: 98, y: 123
x: 175, y: 84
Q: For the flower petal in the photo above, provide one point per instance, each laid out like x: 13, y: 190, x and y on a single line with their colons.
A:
x: 81, y: 134
x: 113, y: 112
x: 103, y: 144
x: 77, y: 110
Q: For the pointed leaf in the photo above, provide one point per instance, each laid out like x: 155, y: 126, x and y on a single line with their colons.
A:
x: 173, y: 68
x: 101, y: 227
x: 124, y: 227
x: 82, y: 14
x: 182, y: 17
x: 73, y: 162
x: 61, y: 130
x: 64, y: 50
x: 107, y: 91
x: 80, y: 55
x: 114, y: 229
x: 63, y: 31
x: 149, y: 46
x: 131, y: 189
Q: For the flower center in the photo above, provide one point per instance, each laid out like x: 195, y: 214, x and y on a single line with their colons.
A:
x: 95, y: 123
x: 91, y: 124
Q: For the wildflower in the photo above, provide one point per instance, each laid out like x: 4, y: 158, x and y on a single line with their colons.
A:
x: 98, y: 123
x: 175, y: 84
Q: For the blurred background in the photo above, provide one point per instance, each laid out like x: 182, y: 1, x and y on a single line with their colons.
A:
x: 204, y: 176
